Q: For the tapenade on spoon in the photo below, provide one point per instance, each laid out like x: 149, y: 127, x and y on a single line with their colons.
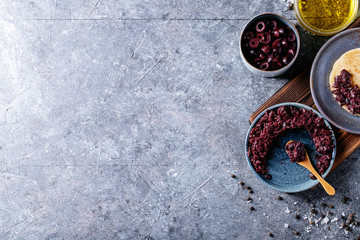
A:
x: 297, y: 153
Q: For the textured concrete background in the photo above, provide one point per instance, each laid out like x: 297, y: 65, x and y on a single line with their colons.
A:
x: 124, y: 120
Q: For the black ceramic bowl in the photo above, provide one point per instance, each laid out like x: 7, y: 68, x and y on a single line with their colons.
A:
x: 244, y: 57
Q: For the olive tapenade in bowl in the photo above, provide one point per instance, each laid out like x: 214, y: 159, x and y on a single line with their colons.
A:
x: 269, y: 45
x: 268, y: 135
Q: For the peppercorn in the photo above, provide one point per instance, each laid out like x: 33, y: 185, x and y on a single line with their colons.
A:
x: 313, y: 210
x: 251, y: 208
x: 297, y: 216
x: 232, y: 175
x: 279, y: 198
x: 251, y: 191
x: 296, y: 232
x: 270, y: 235
x: 290, y: 6
x: 248, y: 199
x: 322, y: 215
x: 350, y: 218
x: 345, y: 199
x: 312, y: 222
x: 248, y: 188
x: 241, y: 183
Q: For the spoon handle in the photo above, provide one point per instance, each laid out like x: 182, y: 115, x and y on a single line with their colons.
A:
x: 328, y: 188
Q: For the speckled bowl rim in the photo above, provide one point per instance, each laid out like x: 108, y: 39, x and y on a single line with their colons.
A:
x: 294, y: 189
x: 292, y: 28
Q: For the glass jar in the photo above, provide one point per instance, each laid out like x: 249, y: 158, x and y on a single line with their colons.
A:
x: 325, y: 17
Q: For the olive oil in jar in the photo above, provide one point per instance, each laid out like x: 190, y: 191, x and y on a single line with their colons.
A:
x: 326, y: 15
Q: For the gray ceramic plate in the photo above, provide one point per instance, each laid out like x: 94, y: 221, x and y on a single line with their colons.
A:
x: 288, y: 176
x: 319, y: 80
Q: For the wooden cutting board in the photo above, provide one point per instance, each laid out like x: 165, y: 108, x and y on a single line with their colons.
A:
x: 346, y: 142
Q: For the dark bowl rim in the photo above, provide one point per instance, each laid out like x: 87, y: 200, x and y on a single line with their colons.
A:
x: 285, y: 20
x: 297, y: 105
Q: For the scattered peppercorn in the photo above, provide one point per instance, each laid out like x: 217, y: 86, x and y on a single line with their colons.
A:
x: 313, y: 210
x: 251, y: 191
x: 322, y: 215
x: 290, y: 6
x: 251, y: 208
x: 232, y: 175
x: 279, y: 198
x: 345, y: 199
x: 248, y: 188
x: 297, y: 216
x: 312, y: 222
x: 331, y: 206
x: 349, y: 218
x: 296, y: 232
x: 241, y: 183
x: 270, y: 235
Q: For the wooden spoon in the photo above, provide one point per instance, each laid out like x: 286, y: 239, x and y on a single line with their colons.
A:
x: 307, y: 164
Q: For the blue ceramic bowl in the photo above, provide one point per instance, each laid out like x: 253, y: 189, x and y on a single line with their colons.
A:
x: 289, y: 176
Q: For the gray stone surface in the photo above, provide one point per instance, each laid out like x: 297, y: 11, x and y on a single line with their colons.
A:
x: 124, y: 119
